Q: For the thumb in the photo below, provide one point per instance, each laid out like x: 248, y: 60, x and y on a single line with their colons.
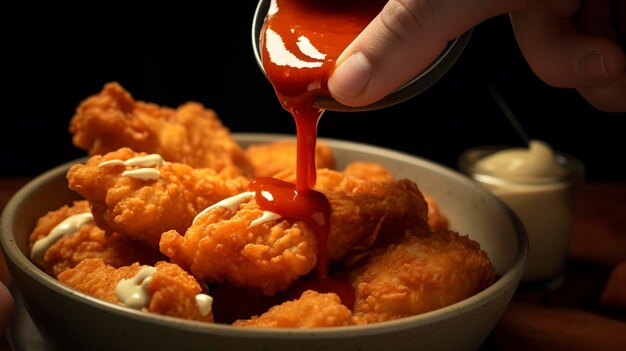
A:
x: 402, y: 41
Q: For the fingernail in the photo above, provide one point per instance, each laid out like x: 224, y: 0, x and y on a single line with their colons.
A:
x: 352, y: 75
x: 591, y: 65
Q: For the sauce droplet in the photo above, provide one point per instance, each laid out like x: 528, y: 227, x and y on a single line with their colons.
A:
x: 310, y: 206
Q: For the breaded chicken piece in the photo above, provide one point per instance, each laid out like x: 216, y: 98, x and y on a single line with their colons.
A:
x: 365, y: 212
x: 172, y: 291
x: 270, y: 158
x: 377, y: 172
x: 311, y: 310
x: 88, y: 241
x: 437, y: 221
x: 223, y: 246
x: 372, y: 171
x: 144, y: 209
x: 190, y: 134
x: 420, y: 274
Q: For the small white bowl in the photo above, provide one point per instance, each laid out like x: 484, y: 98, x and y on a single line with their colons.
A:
x: 68, y: 319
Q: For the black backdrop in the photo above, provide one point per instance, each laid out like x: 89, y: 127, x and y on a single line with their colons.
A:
x: 55, y: 57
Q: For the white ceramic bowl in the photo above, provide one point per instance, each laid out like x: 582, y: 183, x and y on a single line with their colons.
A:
x: 71, y: 320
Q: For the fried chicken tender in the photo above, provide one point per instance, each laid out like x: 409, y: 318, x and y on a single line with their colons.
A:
x: 88, y: 242
x: 377, y: 172
x: 311, y: 310
x: 270, y: 158
x: 172, y: 290
x: 364, y: 212
x: 222, y: 246
x: 419, y: 274
x: 190, y: 134
x: 144, y: 209
x: 369, y: 170
x: 437, y: 221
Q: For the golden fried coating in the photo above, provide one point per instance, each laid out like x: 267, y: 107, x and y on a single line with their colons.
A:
x: 270, y: 158
x: 88, y: 242
x: 421, y: 273
x: 437, y: 221
x: 190, y: 134
x: 52, y: 218
x: 365, y: 212
x: 172, y: 290
x: 311, y: 310
x: 222, y: 246
x: 376, y: 172
x: 369, y: 170
x: 144, y: 209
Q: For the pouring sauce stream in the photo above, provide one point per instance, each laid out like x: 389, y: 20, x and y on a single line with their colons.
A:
x: 301, y: 41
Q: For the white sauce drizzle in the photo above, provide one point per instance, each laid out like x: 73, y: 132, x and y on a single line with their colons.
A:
x: 152, y: 160
x: 232, y: 204
x: 205, y: 304
x: 68, y: 226
x: 143, y: 174
x: 265, y: 217
x: 134, y: 292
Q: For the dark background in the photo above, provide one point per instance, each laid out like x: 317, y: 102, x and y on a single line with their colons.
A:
x: 55, y: 57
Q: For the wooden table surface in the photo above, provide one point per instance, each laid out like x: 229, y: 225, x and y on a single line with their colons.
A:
x: 568, y: 316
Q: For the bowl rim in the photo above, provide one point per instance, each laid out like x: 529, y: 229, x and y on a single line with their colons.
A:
x: 511, y: 277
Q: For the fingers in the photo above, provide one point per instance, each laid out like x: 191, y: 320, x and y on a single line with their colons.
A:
x: 402, y: 41
x: 620, y: 20
x: 609, y: 98
x: 561, y: 55
x: 595, y: 17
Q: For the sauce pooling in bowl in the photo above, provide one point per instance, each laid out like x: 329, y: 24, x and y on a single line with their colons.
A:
x: 301, y: 41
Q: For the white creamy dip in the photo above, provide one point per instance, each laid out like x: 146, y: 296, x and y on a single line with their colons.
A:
x: 538, y: 160
x: 535, y: 186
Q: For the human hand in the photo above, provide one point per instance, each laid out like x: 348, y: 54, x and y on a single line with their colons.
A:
x: 576, y: 44
x: 409, y: 34
x: 402, y: 41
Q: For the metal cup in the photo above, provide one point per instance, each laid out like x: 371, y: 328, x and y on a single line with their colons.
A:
x: 417, y: 85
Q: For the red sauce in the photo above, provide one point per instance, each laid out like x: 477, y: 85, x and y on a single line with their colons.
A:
x: 300, y: 43
x: 309, y: 206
